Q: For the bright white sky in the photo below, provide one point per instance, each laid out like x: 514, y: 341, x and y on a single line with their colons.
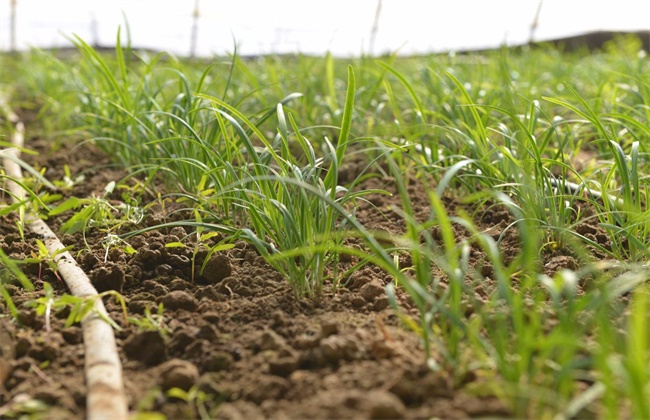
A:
x: 315, y: 26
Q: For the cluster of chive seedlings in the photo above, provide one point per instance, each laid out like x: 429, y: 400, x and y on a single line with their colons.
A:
x: 256, y: 146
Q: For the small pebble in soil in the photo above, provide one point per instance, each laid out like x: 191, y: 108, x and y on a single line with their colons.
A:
x: 138, y: 306
x: 23, y: 344
x: 384, y: 405
x: 88, y: 261
x: 357, y: 301
x: 208, y: 332
x: 72, y: 335
x: 328, y: 327
x: 150, y: 256
x: 212, y: 317
x: 338, y: 347
x: 416, y: 387
x: 371, y: 290
x: 270, y: 340
x: 163, y: 270
x: 107, y: 277
x: 135, y: 271
x: 137, y: 242
x: 382, y: 349
x: 218, y: 361
x: 216, y: 269
x: 381, y: 303
x: 196, y: 349
x: 177, y: 373
x: 179, y: 284
x: 47, y: 348
x: 181, y: 339
x: 268, y: 387
x: 29, y: 318
x: 178, y: 261
x: 240, y: 410
x: 558, y: 263
x: 278, y: 319
x: 155, y: 288
x: 179, y: 232
x: 179, y: 299
x: 211, y: 383
x: 284, y: 366
x: 147, y: 347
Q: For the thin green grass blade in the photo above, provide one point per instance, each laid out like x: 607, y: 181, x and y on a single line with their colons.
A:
x: 414, y: 97
x: 344, y: 135
x: 480, y: 127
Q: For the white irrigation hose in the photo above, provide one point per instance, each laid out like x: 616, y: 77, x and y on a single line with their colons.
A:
x: 570, y: 187
x: 105, y: 398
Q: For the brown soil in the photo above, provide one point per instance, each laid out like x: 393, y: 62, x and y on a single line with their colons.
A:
x: 237, y: 334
